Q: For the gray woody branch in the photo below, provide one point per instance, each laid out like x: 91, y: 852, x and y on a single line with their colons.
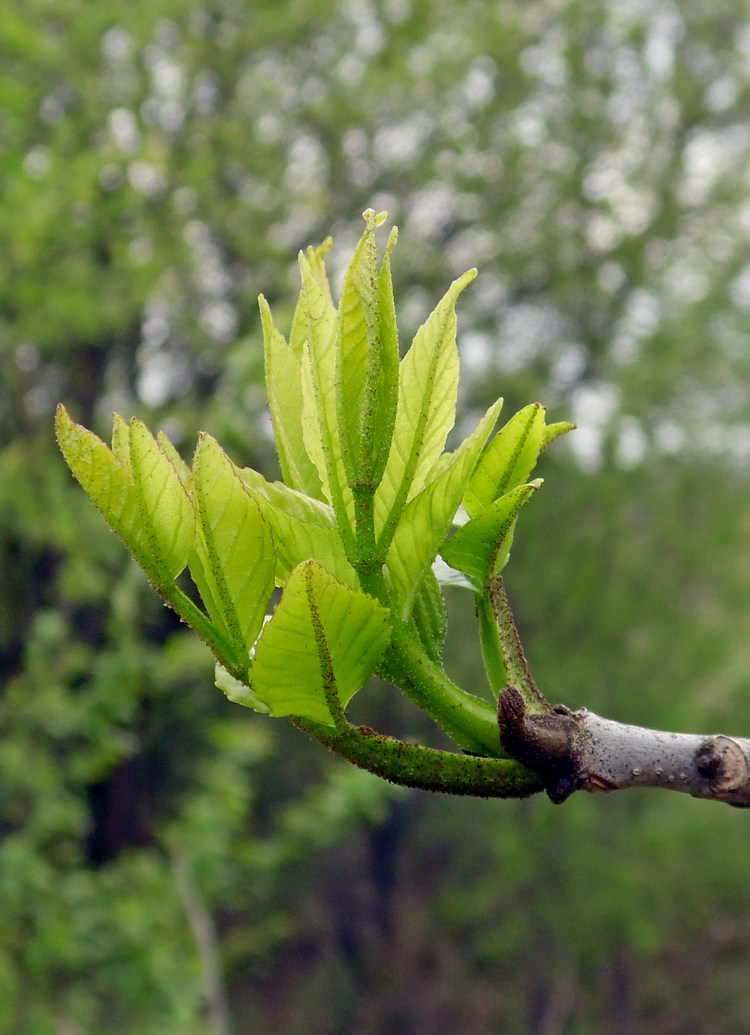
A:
x: 582, y: 751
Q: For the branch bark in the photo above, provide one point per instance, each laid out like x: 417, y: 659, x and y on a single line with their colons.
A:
x: 581, y: 751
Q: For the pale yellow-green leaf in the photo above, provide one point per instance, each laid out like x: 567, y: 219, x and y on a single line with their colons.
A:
x: 427, y: 517
x: 303, y: 528
x: 508, y: 460
x: 426, y: 409
x: 166, y: 509
x: 240, y: 558
x: 106, y: 481
x: 284, y: 388
x: 323, y: 639
x: 480, y: 548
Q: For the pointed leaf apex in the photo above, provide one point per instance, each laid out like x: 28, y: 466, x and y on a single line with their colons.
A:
x: 316, y: 253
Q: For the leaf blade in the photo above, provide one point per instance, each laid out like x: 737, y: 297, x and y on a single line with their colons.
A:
x: 237, y: 550
x: 105, y: 480
x: 166, y: 509
x: 303, y: 529
x: 425, y: 411
x: 284, y: 389
x: 288, y: 674
x: 509, y: 459
x: 480, y: 548
x: 427, y: 517
x: 321, y: 432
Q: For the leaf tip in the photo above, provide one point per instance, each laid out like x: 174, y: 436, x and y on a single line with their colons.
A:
x: 374, y: 219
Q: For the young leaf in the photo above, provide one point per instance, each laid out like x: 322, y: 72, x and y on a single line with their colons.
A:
x: 317, y: 265
x: 367, y: 362
x: 284, y: 388
x: 303, y: 528
x: 138, y: 491
x: 354, y: 343
x: 322, y: 643
x: 427, y: 517
x: 426, y: 411
x: 480, y: 548
x: 384, y: 419
x: 319, y: 419
x: 509, y: 459
x: 236, y: 550
x: 166, y: 510
x: 107, y: 482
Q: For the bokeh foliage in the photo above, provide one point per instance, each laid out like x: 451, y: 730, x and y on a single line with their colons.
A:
x: 162, y: 163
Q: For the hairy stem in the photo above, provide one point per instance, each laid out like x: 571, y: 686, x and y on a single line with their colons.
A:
x: 428, y: 769
x: 511, y: 648
x: 467, y: 719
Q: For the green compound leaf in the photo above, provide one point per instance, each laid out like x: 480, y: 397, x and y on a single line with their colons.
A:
x: 480, y: 548
x: 165, y: 507
x: 234, y: 563
x: 284, y: 388
x: 138, y: 491
x: 426, y: 411
x: 509, y: 459
x: 427, y: 518
x: 303, y: 528
x: 322, y: 643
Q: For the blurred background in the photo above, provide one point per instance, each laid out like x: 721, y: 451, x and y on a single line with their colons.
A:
x: 173, y: 864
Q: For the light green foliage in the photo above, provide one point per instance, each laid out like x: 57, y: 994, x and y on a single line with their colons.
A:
x: 369, y: 501
x: 481, y: 547
x: 427, y: 392
x: 321, y: 644
x: 138, y: 490
x: 234, y: 548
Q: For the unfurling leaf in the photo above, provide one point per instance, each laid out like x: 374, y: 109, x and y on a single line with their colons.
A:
x: 553, y: 431
x: 367, y: 362
x: 166, y: 510
x: 321, y: 644
x: 480, y: 548
x: 509, y: 459
x: 303, y: 528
